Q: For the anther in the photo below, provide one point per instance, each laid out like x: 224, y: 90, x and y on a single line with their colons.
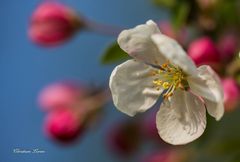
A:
x: 166, y: 85
x: 164, y: 65
x: 157, y: 82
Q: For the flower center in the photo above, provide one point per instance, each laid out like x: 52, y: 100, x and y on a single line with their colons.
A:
x: 169, y: 78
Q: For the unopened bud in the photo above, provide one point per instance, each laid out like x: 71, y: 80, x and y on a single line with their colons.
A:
x: 63, y: 125
x: 60, y: 94
x: 204, y: 51
x: 149, y: 128
x: 228, y: 46
x: 178, y: 34
x: 53, y: 23
x: 207, y: 4
x: 124, y: 138
x: 231, y: 94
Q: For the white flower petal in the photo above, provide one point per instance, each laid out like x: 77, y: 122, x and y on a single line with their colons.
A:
x: 181, y: 119
x: 132, y: 87
x: 172, y: 51
x: 208, y: 85
x: 138, y: 44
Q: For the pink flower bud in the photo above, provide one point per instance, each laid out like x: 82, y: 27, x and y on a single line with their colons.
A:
x: 231, y: 94
x: 227, y: 46
x: 60, y: 94
x: 207, y: 4
x: 63, y: 125
x: 203, y: 51
x: 123, y: 138
x: 53, y: 23
x: 167, y: 29
x: 149, y: 127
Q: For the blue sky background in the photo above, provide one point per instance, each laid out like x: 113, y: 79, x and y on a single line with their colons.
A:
x: 25, y: 69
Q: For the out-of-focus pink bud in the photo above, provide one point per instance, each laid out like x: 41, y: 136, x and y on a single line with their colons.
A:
x: 149, y: 127
x: 204, y: 51
x: 165, y: 156
x: 179, y: 35
x: 63, y: 125
x: 53, y: 23
x: 123, y: 138
x: 206, y: 22
x: 207, y: 4
x: 231, y: 94
x: 227, y: 46
x: 61, y: 94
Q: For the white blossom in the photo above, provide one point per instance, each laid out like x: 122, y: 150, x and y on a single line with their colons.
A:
x: 161, y: 67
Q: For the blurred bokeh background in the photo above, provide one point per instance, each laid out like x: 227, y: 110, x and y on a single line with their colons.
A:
x: 27, y: 68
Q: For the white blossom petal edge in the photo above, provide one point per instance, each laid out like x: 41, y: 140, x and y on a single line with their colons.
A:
x: 131, y: 87
x: 181, y: 119
x: 161, y: 66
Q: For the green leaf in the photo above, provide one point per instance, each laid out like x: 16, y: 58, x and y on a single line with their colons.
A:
x: 165, y: 3
x: 180, y: 14
x: 227, y: 13
x: 114, y: 54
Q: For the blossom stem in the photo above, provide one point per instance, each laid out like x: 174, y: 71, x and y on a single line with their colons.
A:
x: 96, y: 100
x: 101, y: 28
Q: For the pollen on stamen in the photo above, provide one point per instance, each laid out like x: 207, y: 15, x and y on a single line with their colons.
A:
x: 164, y: 65
x: 170, y: 78
x: 166, y: 85
x: 157, y: 82
x: 160, y: 71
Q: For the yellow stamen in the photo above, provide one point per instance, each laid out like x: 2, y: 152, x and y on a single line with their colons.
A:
x: 170, y: 78
x: 166, y: 85
x: 157, y: 82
